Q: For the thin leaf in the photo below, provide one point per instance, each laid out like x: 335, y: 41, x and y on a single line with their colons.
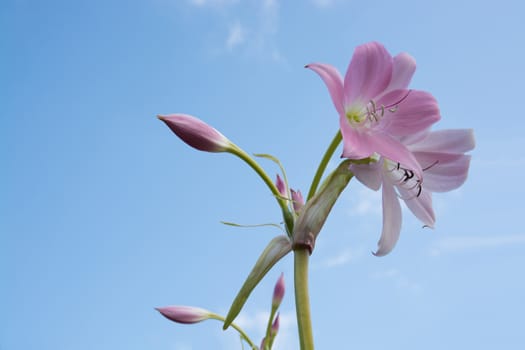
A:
x: 276, y: 249
x: 252, y: 225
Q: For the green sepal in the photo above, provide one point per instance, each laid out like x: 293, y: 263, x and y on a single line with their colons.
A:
x: 276, y: 249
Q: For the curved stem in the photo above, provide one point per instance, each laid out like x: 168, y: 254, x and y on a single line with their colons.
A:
x: 302, y: 299
x: 324, y: 162
x: 243, y: 335
x: 287, y: 216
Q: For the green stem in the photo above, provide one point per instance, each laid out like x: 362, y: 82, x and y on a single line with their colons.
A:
x: 302, y: 299
x: 287, y: 216
x: 324, y: 162
x: 237, y: 328
x: 269, y: 325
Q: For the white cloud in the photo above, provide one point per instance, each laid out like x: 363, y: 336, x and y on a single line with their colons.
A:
x: 368, y: 202
x: 256, y: 36
x: 236, y: 36
x: 182, y: 346
x: 324, y: 3
x: 344, y: 257
x: 467, y: 243
x: 399, y: 280
x: 214, y: 3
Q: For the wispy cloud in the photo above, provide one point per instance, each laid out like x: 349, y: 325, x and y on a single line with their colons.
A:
x: 182, y: 346
x: 214, y: 3
x: 256, y: 37
x: 324, y: 3
x: 399, y: 280
x: 367, y: 202
x: 344, y: 257
x: 457, y: 244
x: 236, y: 36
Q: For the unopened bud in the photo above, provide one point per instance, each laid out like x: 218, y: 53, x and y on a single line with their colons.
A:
x: 281, y: 186
x: 184, y: 314
x: 275, y: 326
x: 196, y: 133
x: 297, y: 200
x: 278, y: 292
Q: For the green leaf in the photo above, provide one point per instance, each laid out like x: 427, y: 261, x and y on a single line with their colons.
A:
x: 276, y: 249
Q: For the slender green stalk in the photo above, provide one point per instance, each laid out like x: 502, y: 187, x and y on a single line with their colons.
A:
x: 237, y: 328
x: 302, y: 299
x: 287, y: 215
x: 324, y: 162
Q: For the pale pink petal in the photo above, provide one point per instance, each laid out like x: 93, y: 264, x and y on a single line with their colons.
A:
x: 444, y: 172
x: 403, y: 69
x: 420, y: 205
x: 369, y: 175
x: 368, y: 74
x: 408, y: 112
x: 356, y: 144
x: 446, y: 141
x: 394, y: 150
x: 391, y: 220
x: 333, y: 81
x: 414, y: 138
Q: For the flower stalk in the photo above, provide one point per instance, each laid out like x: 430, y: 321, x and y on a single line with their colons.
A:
x: 287, y: 215
x: 302, y: 298
x: 324, y: 162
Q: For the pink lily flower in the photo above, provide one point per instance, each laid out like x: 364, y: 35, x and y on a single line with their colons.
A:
x: 376, y: 107
x: 441, y: 155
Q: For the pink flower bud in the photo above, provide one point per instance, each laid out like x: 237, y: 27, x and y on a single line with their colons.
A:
x: 275, y: 326
x: 196, y: 133
x: 184, y: 314
x: 281, y: 186
x: 297, y: 200
x: 278, y: 292
x: 263, y: 344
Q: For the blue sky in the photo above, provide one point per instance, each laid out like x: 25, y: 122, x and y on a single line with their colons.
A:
x: 104, y: 214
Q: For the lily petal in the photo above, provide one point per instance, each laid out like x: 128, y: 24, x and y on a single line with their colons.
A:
x: 356, y: 145
x: 368, y: 74
x: 445, y: 172
x: 446, y: 141
x: 333, y: 81
x: 391, y: 220
x: 408, y: 111
x: 369, y: 174
x: 394, y: 150
x: 403, y: 69
x: 420, y: 206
